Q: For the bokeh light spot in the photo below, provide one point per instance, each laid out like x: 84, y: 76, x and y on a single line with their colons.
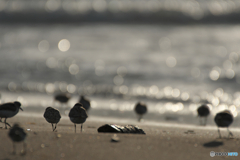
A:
x: 171, y: 62
x: 71, y: 88
x: 99, y: 5
x: 122, y: 71
x: 118, y: 80
x: 43, y: 46
x: 51, y: 62
x: 185, y: 96
x: 73, y: 69
x: 214, y: 75
x: 52, y: 5
x: 230, y: 73
x: 64, y: 45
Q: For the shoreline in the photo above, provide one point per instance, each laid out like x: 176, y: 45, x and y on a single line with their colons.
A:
x: 158, y: 143
x: 125, y: 121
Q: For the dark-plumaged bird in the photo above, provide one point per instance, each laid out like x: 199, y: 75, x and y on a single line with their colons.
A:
x: 63, y: 98
x: 203, y: 113
x: 224, y: 119
x: 17, y: 134
x: 78, y: 115
x: 8, y: 110
x: 140, y: 109
x: 85, y: 102
x: 52, y: 116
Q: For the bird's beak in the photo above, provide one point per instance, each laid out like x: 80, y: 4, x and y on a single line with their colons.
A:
x: 21, y: 108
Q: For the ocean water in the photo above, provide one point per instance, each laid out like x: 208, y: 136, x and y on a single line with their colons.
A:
x: 173, y: 67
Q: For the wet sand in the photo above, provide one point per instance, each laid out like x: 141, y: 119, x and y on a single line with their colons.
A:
x: 158, y: 143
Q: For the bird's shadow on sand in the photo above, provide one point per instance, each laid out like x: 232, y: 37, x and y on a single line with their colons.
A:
x: 213, y: 144
x: 218, y: 141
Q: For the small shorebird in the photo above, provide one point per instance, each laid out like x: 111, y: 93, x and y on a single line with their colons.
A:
x: 203, y: 112
x: 224, y: 119
x: 17, y: 134
x: 62, y: 98
x: 78, y: 115
x: 140, y: 109
x: 85, y: 102
x: 8, y: 110
x: 52, y: 116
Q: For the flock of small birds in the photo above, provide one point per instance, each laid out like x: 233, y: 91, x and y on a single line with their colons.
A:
x: 222, y: 119
x: 78, y: 115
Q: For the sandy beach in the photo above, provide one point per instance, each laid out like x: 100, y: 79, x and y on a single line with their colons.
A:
x: 174, y: 56
x: 158, y: 143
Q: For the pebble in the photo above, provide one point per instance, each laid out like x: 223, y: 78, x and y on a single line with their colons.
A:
x: 115, y: 138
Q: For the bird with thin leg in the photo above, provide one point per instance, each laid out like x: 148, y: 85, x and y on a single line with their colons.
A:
x: 8, y: 110
x: 52, y: 116
x: 224, y: 119
x: 78, y: 115
x: 203, y: 113
x: 85, y: 102
x: 140, y: 109
x: 17, y: 134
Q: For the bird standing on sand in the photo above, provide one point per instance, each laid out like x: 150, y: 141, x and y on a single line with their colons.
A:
x: 8, y: 110
x: 17, y: 134
x: 78, y: 115
x: 203, y: 112
x: 85, y: 102
x: 62, y: 98
x: 52, y: 116
x: 140, y: 109
x: 224, y: 119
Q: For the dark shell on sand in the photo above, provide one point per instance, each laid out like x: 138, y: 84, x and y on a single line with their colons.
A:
x: 112, y: 128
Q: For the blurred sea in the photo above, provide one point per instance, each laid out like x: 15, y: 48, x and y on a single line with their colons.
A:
x: 172, y: 55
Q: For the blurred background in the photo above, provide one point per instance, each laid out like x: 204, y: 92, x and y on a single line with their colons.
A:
x: 174, y: 55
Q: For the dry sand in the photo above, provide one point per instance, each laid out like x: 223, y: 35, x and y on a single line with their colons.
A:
x: 159, y: 143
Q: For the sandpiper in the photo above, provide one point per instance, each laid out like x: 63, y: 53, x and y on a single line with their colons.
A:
x: 17, y: 134
x: 52, y: 116
x: 224, y: 119
x: 62, y: 98
x: 203, y: 113
x: 8, y: 110
x: 78, y: 115
x: 140, y: 109
x: 85, y: 102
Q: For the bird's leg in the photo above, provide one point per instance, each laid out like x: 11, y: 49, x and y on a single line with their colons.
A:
x: 81, y: 127
x: 14, y: 149
x: 139, y: 118
x: 75, y: 127
x: 200, y: 121
x: 55, y: 127
x: 1, y: 121
x: 205, y: 121
x: 219, y: 133
x: 24, y: 150
x: 6, y: 124
x: 229, y: 133
x: 52, y: 127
